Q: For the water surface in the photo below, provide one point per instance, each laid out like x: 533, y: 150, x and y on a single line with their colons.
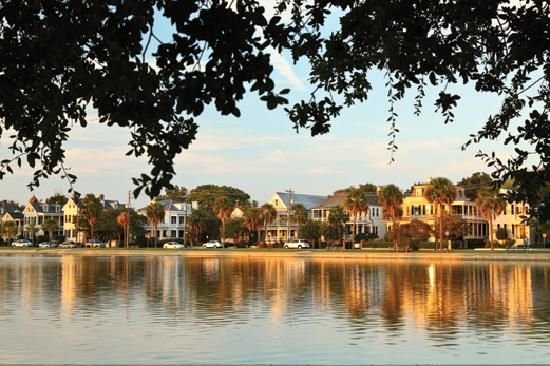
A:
x: 116, y: 309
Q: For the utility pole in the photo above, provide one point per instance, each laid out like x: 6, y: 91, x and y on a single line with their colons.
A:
x: 288, y: 207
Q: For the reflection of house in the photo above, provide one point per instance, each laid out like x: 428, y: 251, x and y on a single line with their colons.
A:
x: 512, y: 219
x: 369, y: 221
x: 37, y: 213
x: 70, y: 220
x: 416, y: 206
x: 279, y: 226
x: 175, y: 219
x: 9, y: 212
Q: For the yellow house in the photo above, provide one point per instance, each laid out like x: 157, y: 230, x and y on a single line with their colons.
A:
x: 278, y: 229
x: 416, y: 206
x: 70, y: 221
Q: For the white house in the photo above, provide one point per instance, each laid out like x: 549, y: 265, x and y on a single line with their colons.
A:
x: 174, y: 222
x: 36, y: 213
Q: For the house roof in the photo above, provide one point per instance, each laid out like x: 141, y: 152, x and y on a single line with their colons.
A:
x: 169, y: 205
x: 12, y: 209
x: 338, y: 199
x: 308, y: 200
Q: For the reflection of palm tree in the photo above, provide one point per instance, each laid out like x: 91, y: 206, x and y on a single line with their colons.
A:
x: 50, y: 226
x: 440, y: 192
x: 490, y: 205
x: 355, y: 203
x: 155, y: 214
x: 268, y: 213
x: 391, y: 199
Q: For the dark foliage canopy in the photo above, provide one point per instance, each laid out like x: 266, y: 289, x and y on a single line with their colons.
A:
x: 59, y: 60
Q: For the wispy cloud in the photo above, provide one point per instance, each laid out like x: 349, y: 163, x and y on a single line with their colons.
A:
x: 285, y: 69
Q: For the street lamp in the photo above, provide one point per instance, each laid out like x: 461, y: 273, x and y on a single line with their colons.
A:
x: 448, y: 240
x: 544, y: 239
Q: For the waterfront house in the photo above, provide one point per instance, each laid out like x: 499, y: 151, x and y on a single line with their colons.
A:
x: 279, y: 227
x: 36, y: 213
x: 10, y: 212
x: 513, y: 220
x: 370, y: 221
x: 71, y: 211
x: 174, y: 222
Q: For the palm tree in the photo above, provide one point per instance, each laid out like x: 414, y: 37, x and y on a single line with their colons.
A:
x: 300, y: 216
x: 123, y: 219
x: 155, y: 214
x: 223, y: 208
x: 9, y: 229
x: 268, y: 213
x: 32, y: 228
x: 355, y: 203
x: 199, y: 221
x: 440, y: 192
x: 391, y: 199
x: 91, y: 208
x: 252, y: 218
x: 337, y: 217
x: 490, y: 205
x: 50, y: 226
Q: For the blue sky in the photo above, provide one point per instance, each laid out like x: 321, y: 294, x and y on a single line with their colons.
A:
x: 260, y: 153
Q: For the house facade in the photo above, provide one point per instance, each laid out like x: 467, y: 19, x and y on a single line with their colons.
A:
x: 369, y: 221
x: 513, y: 221
x: 173, y: 226
x: 416, y: 206
x: 10, y: 212
x: 70, y: 221
x: 36, y: 213
x: 280, y: 228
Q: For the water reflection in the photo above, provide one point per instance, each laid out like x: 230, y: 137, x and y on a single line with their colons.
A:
x: 368, y: 305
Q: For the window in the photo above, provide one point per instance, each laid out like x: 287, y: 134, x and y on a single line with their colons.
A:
x: 276, y: 203
x: 180, y: 220
x: 173, y: 220
x: 173, y: 233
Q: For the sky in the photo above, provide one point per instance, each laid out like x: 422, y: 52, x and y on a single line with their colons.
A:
x: 261, y: 153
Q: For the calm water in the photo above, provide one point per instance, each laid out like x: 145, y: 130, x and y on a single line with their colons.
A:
x: 73, y: 309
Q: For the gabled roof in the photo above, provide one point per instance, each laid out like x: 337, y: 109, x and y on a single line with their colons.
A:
x: 169, y: 205
x: 338, y: 199
x: 308, y: 200
x: 8, y: 207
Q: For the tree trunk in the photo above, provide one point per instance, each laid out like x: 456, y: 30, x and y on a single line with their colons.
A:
x: 155, y: 235
x: 491, y: 232
x: 441, y: 227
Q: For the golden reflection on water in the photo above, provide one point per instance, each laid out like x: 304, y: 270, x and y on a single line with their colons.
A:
x: 430, y: 295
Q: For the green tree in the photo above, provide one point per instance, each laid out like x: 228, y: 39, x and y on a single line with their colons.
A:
x: 203, y: 220
x: 337, y: 218
x: 311, y: 230
x: 91, y: 209
x: 299, y: 216
x: 355, y: 203
x: 391, y: 200
x: 235, y: 228
x: 176, y: 193
x: 219, y: 50
x: 32, y: 229
x: 51, y: 226
x: 57, y: 199
x: 414, y: 233
x: 223, y: 208
x: 440, y: 192
x: 9, y: 229
x: 490, y: 205
x: 330, y: 232
x: 476, y: 182
x: 252, y: 220
x: 207, y: 195
x: 268, y: 213
x: 155, y: 214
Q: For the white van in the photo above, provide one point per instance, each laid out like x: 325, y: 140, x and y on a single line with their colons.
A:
x: 297, y: 244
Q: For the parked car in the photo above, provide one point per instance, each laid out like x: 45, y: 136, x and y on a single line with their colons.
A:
x: 212, y: 244
x: 22, y: 243
x: 47, y: 244
x: 173, y: 245
x: 94, y: 243
x: 67, y: 244
x: 297, y: 244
